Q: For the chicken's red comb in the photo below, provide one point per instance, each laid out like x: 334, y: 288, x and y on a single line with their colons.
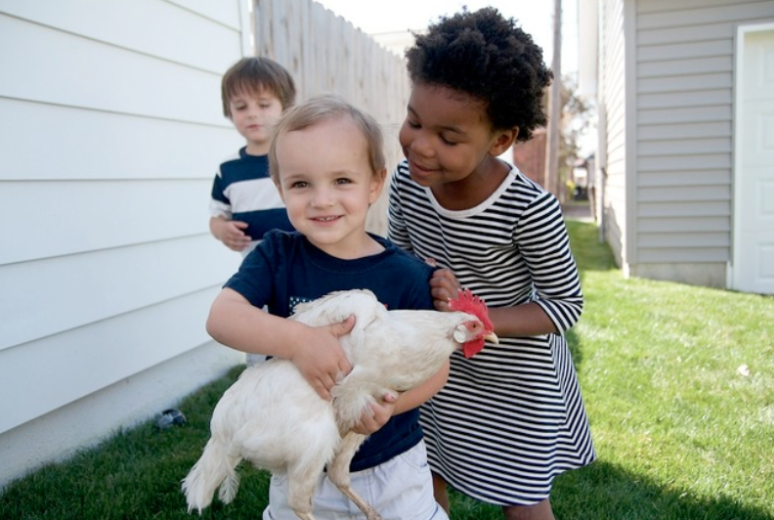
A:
x: 468, y: 302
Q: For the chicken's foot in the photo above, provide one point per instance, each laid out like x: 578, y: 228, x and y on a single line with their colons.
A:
x: 338, y: 473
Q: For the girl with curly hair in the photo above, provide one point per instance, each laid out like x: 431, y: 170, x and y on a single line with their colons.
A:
x: 510, y: 420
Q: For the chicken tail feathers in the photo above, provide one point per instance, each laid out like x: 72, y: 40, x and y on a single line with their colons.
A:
x: 228, y: 489
x: 214, y: 468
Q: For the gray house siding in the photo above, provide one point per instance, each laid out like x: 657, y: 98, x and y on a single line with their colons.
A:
x: 678, y: 155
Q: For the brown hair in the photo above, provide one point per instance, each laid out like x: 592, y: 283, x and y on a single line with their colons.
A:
x: 254, y: 74
x: 324, y: 108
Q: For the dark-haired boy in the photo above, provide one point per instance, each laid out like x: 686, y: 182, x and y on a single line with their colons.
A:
x: 245, y: 203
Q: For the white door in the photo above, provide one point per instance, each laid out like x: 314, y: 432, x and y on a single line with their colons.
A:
x: 752, y: 269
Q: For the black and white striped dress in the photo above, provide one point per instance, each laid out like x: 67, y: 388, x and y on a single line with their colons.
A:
x: 511, y: 418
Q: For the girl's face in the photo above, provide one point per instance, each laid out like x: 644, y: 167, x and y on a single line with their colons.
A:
x: 326, y: 182
x: 447, y: 137
x: 254, y: 117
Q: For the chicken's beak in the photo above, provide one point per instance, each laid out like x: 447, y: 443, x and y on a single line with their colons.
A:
x: 492, y: 338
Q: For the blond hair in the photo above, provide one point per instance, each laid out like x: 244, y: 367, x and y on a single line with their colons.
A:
x: 325, y: 108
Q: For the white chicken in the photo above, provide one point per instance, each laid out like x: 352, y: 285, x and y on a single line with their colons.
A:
x: 273, y: 418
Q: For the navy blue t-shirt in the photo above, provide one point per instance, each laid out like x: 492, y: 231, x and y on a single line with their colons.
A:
x: 286, y: 269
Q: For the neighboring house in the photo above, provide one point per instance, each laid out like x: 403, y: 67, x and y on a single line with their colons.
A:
x: 530, y: 156
x: 685, y: 92
x: 110, y: 133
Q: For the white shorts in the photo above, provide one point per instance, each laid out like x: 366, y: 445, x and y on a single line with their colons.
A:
x: 399, y: 489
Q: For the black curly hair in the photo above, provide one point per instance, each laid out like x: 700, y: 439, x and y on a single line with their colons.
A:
x: 489, y: 58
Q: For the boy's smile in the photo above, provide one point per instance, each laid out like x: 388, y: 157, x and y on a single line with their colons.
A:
x: 327, y: 184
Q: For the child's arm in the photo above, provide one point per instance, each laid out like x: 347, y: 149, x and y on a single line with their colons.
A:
x: 230, y: 232
x: 544, y: 244
x: 528, y: 319
x: 236, y: 323
x: 373, y: 419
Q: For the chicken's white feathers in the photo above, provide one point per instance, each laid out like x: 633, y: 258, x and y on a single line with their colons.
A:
x: 272, y: 417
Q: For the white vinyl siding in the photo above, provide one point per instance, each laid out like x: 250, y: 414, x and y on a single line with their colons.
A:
x: 210, y: 31
x: 96, y: 355
x: 179, y: 149
x: 111, y: 131
x: 613, y: 88
x: 684, y: 146
x: 138, y: 212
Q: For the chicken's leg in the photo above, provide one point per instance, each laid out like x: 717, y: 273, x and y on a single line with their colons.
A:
x: 302, y: 481
x: 338, y: 472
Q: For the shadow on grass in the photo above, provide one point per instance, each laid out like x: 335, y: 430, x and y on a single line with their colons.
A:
x: 603, y: 491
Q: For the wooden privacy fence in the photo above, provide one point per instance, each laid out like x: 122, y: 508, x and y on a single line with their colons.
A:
x: 327, y: 54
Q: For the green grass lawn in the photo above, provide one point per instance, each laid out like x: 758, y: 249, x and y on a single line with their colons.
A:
x: 681, y: 431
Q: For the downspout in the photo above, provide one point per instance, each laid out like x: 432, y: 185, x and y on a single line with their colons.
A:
x: 601, y: 204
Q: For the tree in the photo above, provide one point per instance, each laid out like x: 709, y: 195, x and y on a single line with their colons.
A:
x: 553, y: 177
x: 575, y: 122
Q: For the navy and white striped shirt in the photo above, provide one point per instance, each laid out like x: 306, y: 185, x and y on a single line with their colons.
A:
x: 244, y: 191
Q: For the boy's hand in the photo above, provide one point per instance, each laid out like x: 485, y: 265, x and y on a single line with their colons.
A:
x: 320, y: 358
x: 376, y: 416
x: 444, y: 287
x: 231, y: 233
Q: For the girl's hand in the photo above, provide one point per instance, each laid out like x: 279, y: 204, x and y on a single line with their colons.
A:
x: 444, y: 287
x: 376, y: 416
x: 320, y: 358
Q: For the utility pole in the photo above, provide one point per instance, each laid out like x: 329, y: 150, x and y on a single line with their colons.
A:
x: 554, y: 108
